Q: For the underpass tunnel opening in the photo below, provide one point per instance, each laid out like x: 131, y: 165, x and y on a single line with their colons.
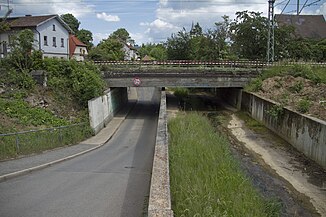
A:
x: 203, y: 99
x: 189, y: 98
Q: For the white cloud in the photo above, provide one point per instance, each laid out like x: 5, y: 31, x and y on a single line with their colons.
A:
x: 158, y: 30
x: 322, y: 9
x: 97, y: 37
x: 172, y: 16
x: 139, y: 38
x: 108, y: 17
x: 77, y: 8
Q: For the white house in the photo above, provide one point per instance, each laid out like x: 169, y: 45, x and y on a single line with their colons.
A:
x: 51, y: 34
x: 77, y: 49
x: 130, y: 52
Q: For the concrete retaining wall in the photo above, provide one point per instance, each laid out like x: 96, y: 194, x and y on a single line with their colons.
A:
x: 306, y: 134
x: 160, y: 199
x: 102, y: 109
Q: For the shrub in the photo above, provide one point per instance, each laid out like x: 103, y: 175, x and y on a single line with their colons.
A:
x: 255, y: 85
x: 181, y: 92
x: 297, y: 87
x: 82, y: 80
x: 26, y: 115
x: 276, y: 111
x: 17, y: 79
x: 303, y: 105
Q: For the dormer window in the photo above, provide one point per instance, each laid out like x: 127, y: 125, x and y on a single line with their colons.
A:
x: 53, y: 27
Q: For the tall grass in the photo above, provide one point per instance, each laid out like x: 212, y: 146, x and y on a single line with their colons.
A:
x: 33, y: 142
x: 206, y: 180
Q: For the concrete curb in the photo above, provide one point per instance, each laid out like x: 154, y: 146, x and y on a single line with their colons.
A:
x: 160, y: 199
x: 32, y: 169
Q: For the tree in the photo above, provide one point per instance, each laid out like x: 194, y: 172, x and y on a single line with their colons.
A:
x: 71, y: 21
x: 86, y: 37
x: 156, y: 51
x: 196, y: 30
x: 220, y: 35
x: 123, y: 35
x: 83, y: 35
x: 21, y: 50
x: 249, y: 35
x: 107, y: 49
x: 178, y: 46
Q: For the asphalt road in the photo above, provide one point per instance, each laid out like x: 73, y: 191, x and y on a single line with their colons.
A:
x: 110, y: 181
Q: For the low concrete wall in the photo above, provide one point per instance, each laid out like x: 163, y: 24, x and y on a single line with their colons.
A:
x: 102, y: 109
x: 306, y: 134
x: 160, y: 199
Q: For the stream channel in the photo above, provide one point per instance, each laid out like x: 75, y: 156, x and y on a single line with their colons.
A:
x: 276, y: 169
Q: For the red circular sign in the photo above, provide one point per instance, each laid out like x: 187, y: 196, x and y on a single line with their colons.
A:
x: 136, y: 81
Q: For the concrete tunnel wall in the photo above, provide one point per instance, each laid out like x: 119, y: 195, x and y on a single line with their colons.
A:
x: 103, y: 108
x: 307, y: 134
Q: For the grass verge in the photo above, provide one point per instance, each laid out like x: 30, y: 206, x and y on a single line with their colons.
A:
x: 34, y: 142
x: 205, y: 178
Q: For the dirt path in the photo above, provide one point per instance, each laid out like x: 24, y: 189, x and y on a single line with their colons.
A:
x: 285, y: 164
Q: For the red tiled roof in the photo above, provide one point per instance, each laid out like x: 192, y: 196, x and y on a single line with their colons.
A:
x: 73, y: 43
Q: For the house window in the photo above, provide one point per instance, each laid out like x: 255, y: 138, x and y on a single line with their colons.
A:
x: 54, y: 41
x: 46, y: 40
x: 53, y: 27
x: 62, y: 42
x: 11, y: 39
x: 81, y: 51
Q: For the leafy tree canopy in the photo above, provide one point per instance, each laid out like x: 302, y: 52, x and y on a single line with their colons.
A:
x: 123, y: 35
x: 83, y: 35
x: 86, y: 37
x: 71, y: 21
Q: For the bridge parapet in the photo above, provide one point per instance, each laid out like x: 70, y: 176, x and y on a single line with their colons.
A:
x: 183, y: 73
x: 204, y: 64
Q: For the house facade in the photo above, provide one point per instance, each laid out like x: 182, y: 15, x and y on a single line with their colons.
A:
x: 77, y: 49
x: 51, y: 35
x: 130, y: 52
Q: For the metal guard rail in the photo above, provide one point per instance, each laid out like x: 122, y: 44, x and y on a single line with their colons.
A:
x: 40, y: 130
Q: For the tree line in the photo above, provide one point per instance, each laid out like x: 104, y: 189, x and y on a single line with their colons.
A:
x: 244, y: 37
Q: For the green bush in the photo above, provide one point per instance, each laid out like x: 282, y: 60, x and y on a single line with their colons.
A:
x: 276, y: 111
x: 297, y: 87
x: 25, y: 115
x: 181, y: 92
x: 82, y: 80
x: 303, y: 105
x: 255, y: 85
x: 13, y: 78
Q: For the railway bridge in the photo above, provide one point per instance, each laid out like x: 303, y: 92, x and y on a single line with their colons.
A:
x: 180, y: 73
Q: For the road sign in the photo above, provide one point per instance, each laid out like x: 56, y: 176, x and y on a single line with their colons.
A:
x: 136, y: 81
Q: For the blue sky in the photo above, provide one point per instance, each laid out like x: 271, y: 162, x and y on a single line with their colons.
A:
x: 150, y: 20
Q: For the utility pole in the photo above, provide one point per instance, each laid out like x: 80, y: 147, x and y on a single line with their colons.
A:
x: 9, y: 11
x: 270, y: 40
x: 298, y: 7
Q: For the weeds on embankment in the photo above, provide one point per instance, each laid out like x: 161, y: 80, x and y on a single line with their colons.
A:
x: 206, y: 180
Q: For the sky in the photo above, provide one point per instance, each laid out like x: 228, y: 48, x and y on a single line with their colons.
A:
x: 151, y: 21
